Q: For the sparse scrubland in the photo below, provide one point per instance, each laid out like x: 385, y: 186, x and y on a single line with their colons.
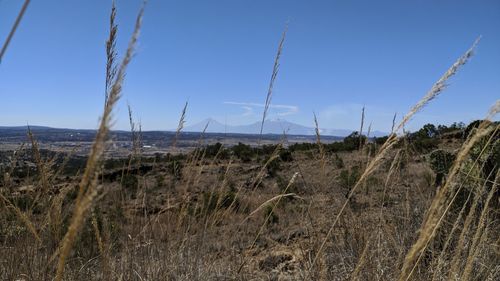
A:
x: 409, y: 206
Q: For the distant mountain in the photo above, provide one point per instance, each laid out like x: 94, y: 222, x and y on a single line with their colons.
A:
x: 276, y: 127
x: 345, y: 133
x: 270, y: 127
x: 214, y: 126
x: 24, y: 128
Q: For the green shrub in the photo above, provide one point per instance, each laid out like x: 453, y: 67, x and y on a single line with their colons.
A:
x: 273, y: 166
x: 268, y: 149
x: 243, y: 152
x: 212, y: 150
x: 425, y: 139
x: 130, y: 182
x: 381, y: 140
x: 441, y: 162
x: 285, y: 155
x: 349, y: 177
x: 425, y: 144
x: 353, y: 141
x: 305, y: 146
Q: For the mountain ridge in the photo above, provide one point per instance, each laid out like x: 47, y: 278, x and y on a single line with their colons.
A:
x: 273, y: 127
x: 270, y: 127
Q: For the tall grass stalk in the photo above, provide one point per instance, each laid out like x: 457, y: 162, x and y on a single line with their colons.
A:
x: 481, y: 232
x: 271, y: 82
x: 436, y: 89
x: 88, y: 184
x: 469, y: 219
x: 180, y: 126
x: 361, y: 128
x: 14, y: 28
x: 111, y: 54
x: 393, y: 123
x: 321, y: 149
x: 443, y: 199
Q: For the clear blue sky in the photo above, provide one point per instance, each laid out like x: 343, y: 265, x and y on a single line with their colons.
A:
x: 338, y: 55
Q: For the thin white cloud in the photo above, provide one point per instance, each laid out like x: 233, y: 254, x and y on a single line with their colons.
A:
x: 281, y: 109
x: 248, y: 110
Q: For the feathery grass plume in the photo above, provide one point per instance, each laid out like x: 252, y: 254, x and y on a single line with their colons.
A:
x: 139, y: 137
x: 180, y: 126
x: 443, y: 199
x: 361, y: 128
x: 132, y: 129
x: 134, y: 138
x: 320, y: 145
x: 13, y: 29
x: 369, y: 150
x: 440, y: 85
x: 139, y: 143
x: 111, y: 54
x: 393, y: 122
x: 88, y: 184
x: 436, y: 89
x: 271, y: 82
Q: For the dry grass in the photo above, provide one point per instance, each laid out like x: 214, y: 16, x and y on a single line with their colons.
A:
x: 180, y: 126
x: 436, y: 89
x: 443, y: 200
x: 88, y: 187
x: 273, y: 79
x: 321, y: 149
x: 212, y: 216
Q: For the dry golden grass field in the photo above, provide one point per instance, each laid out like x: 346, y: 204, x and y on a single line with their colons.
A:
x: 409, y: 206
